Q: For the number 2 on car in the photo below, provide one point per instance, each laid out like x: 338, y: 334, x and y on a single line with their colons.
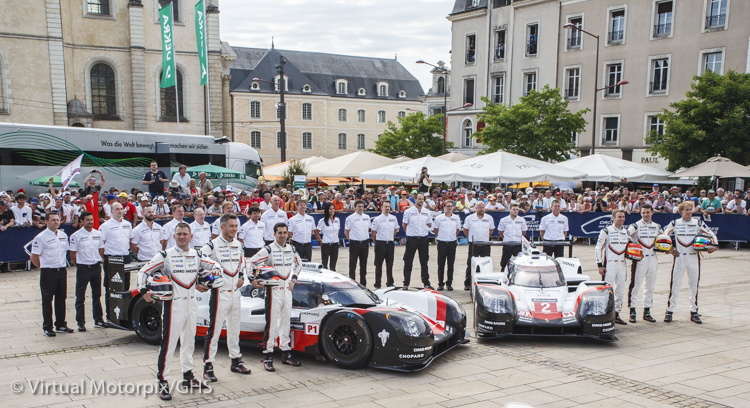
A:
x: 545, y: 307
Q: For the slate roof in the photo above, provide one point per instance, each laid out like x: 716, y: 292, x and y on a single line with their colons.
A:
x: 461, y: 6
x: 320, y: 71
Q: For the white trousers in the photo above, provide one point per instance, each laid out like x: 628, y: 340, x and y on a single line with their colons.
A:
x: 690, y: 262
x: 640, y: 271
x: 178, y: 319
x: 224, y: 305
x: 617, y: 275
x: 278, y: 317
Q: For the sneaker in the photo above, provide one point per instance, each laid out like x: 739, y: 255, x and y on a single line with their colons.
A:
x: 50, y: 333
x: 164, y: 391
x: 208, y: 372
x: 189, y: 381
x: 668, y: 317
x: 81, y: 328
x: 238, y: 367
x: 618, y: 320
x: 286, y: 358
x: 632, y: 315
x: 268, y: 363
x: 101, y: 324
x: 441, y: 287
x: 377, y: 286
x: 647, y: 315
x: 467, y: 287
x: 695, y: 318
x: 64, y: 329
x: 450, y: 287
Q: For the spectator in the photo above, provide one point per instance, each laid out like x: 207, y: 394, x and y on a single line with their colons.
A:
x: 737, y: 206
x: 128, y: 209
x: 7, y: 218
x: 161, y: 210
x: 182, y: 177
x: 92, y: 188
x: 711, y: 205
x: 215, y: 209
x: 38, y: 213
x: 338, y: 204
x: 155, y: 180
x: 22, y: 213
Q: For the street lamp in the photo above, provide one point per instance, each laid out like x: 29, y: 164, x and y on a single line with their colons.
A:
x: 282, y: 116
x: 596, y: 82
x: 445, y: 101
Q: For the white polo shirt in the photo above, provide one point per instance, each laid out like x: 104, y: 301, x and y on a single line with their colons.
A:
x: 147, y: 239
x: 358, y: 227
x: 385, y: 227
x: 167, y: 232
x: 302, y: 227
x: 271, y: 218
x: 201, y: 234
x: 417, y: 222
x: 252, y: 233
x: 51, y: 248
x: 447, y: 227
x: 86, y: 246
x: 512, y: 229
x: 554, y: 227
x: 479, y: 228
x: 115, y: 237
x: 329, y: 233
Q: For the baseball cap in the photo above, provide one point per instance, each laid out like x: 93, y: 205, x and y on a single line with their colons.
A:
x: 414, y: 191
x: 711, y: 192
x: 492, y: 197
x: 111, y: 196
x: 34, y: 200
x: 78, y: 200
x: 462, y: 196
x: 173, y: 201
x: 443, y: 192
x: 655, y: 185
x: 144, y: 198
x: 481, y: 193
x: 20, y: 190
x: 674, y: 188
x: 123, y: 194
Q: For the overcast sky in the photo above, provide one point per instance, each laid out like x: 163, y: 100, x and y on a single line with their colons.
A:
x: 411, y: 29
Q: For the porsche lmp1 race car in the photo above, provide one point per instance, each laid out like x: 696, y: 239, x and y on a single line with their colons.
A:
x: 539, y: 295
x: 333, y: 317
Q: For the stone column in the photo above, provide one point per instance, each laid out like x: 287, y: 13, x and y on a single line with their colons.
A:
x: 227, y: 107
x: 215, y: 69
x: 138, y: 65
x: 57, y: 63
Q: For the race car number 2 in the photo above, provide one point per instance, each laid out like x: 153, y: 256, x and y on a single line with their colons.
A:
x: 312, y: 329
x: 545, y: 307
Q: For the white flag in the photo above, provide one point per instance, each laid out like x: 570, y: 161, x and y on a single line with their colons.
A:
x: 69, y: 171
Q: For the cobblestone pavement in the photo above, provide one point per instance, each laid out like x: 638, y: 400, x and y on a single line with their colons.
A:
x: 653, y: 365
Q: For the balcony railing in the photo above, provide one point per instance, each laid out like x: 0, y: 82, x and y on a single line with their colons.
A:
x: 716, y: 21
x: 658, y: 87
x: 571, y: 93
x: 616, y: 37
x: 662, y: 30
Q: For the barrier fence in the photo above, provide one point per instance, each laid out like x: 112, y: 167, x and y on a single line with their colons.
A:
x: 728, y: 227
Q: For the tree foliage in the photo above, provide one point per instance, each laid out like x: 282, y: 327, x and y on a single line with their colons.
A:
x: 295, y: 168
x: 713, y: 120
x: 540, y: 126
x: 414, y: 138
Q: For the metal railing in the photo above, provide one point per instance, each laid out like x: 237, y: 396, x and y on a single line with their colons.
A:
x: 616, y: 36
x: 662, y: 30
x: 718, y: 20
x: 470, y: 57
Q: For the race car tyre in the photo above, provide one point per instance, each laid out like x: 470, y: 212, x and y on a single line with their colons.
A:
x: 346, y: 340
x: 146, y: 321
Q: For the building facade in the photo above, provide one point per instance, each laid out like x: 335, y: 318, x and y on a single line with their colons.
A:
x: 97, y: 63
x: 335, y: 104
x: 502, y: 49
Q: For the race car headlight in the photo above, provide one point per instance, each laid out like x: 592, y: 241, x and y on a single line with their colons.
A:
x: 596, y: 303
x: 410, y: 326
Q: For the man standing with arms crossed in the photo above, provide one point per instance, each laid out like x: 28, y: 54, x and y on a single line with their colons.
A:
x: 115, y: 241
x: 271, y: 217
x: 84, y: 254
x: 446, y: 228
x: 225, y: 302
x: 477, y: 227
x: 167, y: 234
x: 251, y: 233
x: 145, y: 240
x: 416, y: 222
x: 610, y: 258
x: 357, y: 231
x: 511, y: 229
x: 301, y: 228
x: 643, y: 232
x: 384, y: 229
x: 554, y: 228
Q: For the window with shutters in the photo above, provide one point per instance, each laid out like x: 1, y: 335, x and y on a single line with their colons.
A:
x: 469, y: 91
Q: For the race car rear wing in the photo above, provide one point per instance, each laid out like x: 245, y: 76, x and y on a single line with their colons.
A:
x: 527, y: 246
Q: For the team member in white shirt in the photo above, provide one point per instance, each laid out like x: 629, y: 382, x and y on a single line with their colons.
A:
x: 329, y: 226
x: 167, y: 232
x: 477, y: 227
x: 200, y: 228
x: 251, y: 233
x: 416, y: 222
x: 554, y: 227
x: 84, y: 254
x: 301, y: 229
x: 357, y: 231
x: 446, y: 227
x: 226, y: 208
x: 48, y: 253
x: 384, y: 229
x: 511, y: 229
x: 115, y: 241
x: 145, y: 240
x: 271, y: 217
x: 25, y: 217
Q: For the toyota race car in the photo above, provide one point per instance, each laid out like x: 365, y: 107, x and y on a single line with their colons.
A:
x: 539, y: 295
x: 333, y: 316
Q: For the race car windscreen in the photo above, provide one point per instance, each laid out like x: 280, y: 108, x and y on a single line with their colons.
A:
x: 543, y: 276
x: 345, y: 293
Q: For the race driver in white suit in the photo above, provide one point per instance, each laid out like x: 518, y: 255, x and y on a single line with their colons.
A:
x: 610, y: 257
x: 644, y: 232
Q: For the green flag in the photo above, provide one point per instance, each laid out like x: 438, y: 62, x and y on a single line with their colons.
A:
x: 168, y: 64
x: 200, y: 37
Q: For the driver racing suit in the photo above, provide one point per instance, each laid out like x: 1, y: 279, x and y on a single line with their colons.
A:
x: 179, y: 315
x: 645, y: 234
x: 287, y: 263
x: 610, y: 254
x: 225, y: 301
x: 688, y: 259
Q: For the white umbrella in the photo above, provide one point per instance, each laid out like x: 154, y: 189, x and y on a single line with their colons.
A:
x: 350, y: 165
x: 503, y: 167
x: 278, y: 169
x: 405, y: 172
x: 715, y: 167
x: 601, y: 167
x: 454, y: 157
x: 401, y: 159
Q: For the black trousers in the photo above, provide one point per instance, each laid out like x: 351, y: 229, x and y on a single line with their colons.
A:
x: 105, y: 280
x: 508, y: 252
x: 250, y: 252
x: 554, y: 251
x: 446, y: 252
x: 329, y: 254
x: 414, y: 244
x: 88, y: 275
x: 304, y: 250
x: 54, y: 286
x: 481, y: 250
x: 384, y: 251
x: 358, y: 251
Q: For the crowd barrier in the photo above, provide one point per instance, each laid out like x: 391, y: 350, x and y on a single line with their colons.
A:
x: 728, y: 227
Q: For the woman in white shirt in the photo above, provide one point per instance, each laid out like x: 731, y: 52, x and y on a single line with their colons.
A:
x: 624, y: 204
x: 330, y: 227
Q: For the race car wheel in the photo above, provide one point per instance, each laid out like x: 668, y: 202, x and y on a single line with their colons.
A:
x: 146, y: 321
x: 346, y: 340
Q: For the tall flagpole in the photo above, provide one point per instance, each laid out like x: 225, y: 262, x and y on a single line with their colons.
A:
x: 208, y: 71
x: 176, y: 83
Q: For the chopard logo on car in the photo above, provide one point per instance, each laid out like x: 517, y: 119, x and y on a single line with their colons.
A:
x: 608, y: 329
x: 421, y: 355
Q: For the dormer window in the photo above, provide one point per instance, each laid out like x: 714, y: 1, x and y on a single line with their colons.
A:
x: 306, y: 88
x: 341, y: 86
x: 382, y: 89
x: 361, y: 92
x: 402, y: 94
x: 255, y: 86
